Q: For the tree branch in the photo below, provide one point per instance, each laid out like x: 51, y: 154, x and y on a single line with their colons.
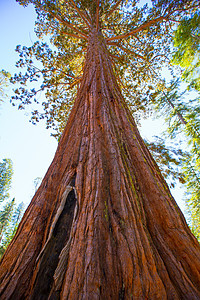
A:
x: 67, y: 33
x: 128, y: 50
x: 52, y: 68
x: 113, y: 9
x: 180, y: 116
x: 69, y: 25
x: 64, y: 22
x: 161, y: 55
x: 81, y: 14
x: 75, y: 82
x: 138, y: 29
x: 114, y: 56
x: 112, y: 61
x: 72, y: 34
x: 168, y: 9
x: 132, y: 52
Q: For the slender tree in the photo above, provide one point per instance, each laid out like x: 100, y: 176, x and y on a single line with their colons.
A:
x: 192, y: 175
x: 102, y: 224
x: 5, y: 216
x: 10, y: 217
x: 6, y: 172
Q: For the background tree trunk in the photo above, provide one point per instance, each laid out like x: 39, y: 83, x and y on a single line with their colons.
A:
x: 103, y: 224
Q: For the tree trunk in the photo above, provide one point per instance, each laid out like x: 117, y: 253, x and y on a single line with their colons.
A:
x: 103, y: 224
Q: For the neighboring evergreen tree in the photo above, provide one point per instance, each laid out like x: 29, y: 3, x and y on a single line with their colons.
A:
x: 182, y: 116
x: 13, y: 216
x: 6, y: 172
x: 10, y: 215
x: 192, y: 178
x: 182, y: 113
x: 5, y: 217
x: 102, y: 224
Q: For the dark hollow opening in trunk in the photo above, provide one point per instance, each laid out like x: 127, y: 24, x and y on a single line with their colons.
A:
x: 50, y: 257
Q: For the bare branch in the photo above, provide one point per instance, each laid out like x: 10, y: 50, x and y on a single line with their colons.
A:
x: 81, y: 14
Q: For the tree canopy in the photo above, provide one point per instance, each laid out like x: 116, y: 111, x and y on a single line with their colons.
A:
x: 138, y: 39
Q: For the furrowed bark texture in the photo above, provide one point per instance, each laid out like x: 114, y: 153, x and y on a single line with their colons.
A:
x: 103, y: 224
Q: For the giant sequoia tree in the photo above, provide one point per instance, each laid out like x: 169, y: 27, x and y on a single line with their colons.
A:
x: 103, y: 224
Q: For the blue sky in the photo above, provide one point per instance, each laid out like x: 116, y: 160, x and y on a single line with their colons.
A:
x: 30, y: 147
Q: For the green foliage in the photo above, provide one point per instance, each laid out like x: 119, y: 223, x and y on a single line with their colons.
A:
x: 5, y: 215
x: 192, y: 177
x: 6, y: 172
x: 187, y: 56
x: 57, y: 62
x: 10, y: 214
x: 55, y: 76
x: 182, y: 114
x: 5, y: 219
x: 187, y: 52
x: 182, y: 166
x: 169, y: 159
x: 183, y: 118
x: 10, y: 217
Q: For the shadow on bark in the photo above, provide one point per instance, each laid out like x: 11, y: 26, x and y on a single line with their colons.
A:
x: 50, y: 256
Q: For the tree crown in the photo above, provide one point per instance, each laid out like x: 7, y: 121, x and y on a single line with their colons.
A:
x: 138, y: 40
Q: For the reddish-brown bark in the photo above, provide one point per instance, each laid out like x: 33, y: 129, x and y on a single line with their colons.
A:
x: 124, y: 235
